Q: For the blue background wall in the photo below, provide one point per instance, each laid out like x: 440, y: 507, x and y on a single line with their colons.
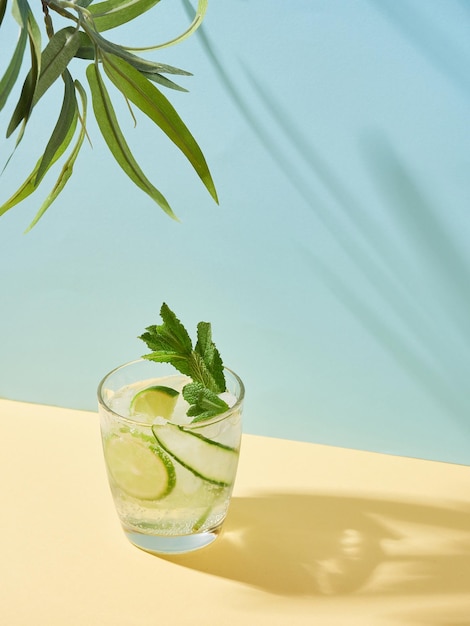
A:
x: 336, y: 269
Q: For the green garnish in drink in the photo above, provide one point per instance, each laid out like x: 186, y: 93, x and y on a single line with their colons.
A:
x: 171, y: 343
x: 141, y: 471
x: 154, y: 401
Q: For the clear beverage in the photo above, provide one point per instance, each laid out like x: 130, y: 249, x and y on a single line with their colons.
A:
x: 171, y: 479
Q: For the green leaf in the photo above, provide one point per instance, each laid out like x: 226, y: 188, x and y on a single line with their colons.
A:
x: 196, y: 23
x: 112, y: 13
x: 67, y: 169
x: 24, y: 16
x: 143, y: 65
x: 3, y: 6
x: 58, y: 53
x: 67, y: 119
x: 60, y: 140
x: 169, y: 342
x: 24, y: 105
x: 200, y: 372
x: 162, y: 80
x: 11, y: 74
x: 206, y: 348
x: 34, y: 36
x: 157, y: 107
x: 204, y: 402
x: 109, y: 127
x: 86, y: 49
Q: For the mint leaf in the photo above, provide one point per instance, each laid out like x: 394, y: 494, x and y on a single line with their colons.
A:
x: 204, y: 402
x: 171, y: 343
x: 199, y: 371
x: 205, y: 347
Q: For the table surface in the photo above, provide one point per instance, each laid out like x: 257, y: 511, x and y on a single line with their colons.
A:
x: 314, y: 535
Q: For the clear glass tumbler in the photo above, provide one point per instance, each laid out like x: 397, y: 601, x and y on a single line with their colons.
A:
x: 171, y: 479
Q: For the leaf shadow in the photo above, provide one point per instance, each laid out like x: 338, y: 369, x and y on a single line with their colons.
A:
x: 309, y: 544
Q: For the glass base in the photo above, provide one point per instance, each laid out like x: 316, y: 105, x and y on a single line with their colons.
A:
x: 160, y: 544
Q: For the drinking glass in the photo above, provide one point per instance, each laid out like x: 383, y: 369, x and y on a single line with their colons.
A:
x: 171, y: 479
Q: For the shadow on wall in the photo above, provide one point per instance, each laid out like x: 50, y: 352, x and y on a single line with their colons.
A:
x: 422, y: 279
x: 418, y: 274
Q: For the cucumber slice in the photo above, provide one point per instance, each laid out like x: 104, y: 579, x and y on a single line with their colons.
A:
x: 208, y: 459
x: 140, y: 470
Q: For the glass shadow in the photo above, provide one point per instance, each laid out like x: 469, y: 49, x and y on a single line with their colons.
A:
x: 312, y: 544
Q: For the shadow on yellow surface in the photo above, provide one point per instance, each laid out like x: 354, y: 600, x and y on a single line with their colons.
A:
x: 306, y: 544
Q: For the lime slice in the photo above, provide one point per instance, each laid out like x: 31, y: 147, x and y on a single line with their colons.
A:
x: 141, y: 471
x: 157, y: 401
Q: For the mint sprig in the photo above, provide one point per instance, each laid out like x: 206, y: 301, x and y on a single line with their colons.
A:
x: 171, y: 343
x: 204, y: 403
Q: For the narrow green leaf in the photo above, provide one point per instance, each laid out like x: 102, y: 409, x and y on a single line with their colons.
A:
x: 11, y: 74
x: 109, y: 127
x: 162, y: 80
x: 22, y: 192
x: 54, y: 60
x: 3, y: 6
x: 151, y: 69
x: 33, y: 180
x: 58, y: 53
x: 22, y: 13
x: 155, y: 105
x: 143, y: 65
x: 67, y: 118
x: 25, y: 104
x: 67, y: 169
x: 112, y: 13
x: 86, y: 49
x: 35, y: 36
x: 196, y: 23
x: 31, y: 183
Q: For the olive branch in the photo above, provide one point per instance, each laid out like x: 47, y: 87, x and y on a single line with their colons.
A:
x: 137, y: 78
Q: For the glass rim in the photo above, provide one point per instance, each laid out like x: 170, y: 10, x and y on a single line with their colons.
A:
x: 192, y: 425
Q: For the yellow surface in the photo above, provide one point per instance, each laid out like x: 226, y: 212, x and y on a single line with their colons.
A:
x: 315, y: 535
